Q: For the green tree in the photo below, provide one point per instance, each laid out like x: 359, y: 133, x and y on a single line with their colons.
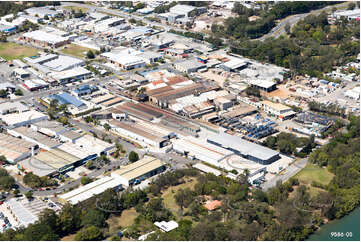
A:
x: 107, y: 127
x: 7, y: 182
x: 18, y: 92
x: 133, y: 156
x: 90, y: 54
x: 93, y: 217
x: 85, y: 180
x: 89, y: 233
x: 29, y: 195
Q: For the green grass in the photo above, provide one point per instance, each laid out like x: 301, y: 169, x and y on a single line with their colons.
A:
x: 168, y: 196
x: 77, y: 9
x: 314, y: 173
x: 11, y: 51
x: 75, y: 50
x: 123, y: 221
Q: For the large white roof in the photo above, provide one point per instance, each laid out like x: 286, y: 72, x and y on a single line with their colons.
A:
x: 94, y: 188
x: 243, y: 146
x: 44, y: 36
x: 14, y: 118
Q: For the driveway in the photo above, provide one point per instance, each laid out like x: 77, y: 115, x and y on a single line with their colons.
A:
x: 290, y: 171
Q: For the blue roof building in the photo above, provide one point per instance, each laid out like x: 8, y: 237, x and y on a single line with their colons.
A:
x: 66, y: 98
x: 85, y: 90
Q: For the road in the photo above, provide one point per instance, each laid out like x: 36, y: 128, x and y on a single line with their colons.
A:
x: 286, y: 174
x: 292, y: 20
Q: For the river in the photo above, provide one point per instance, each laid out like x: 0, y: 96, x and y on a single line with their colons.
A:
x: 348, y: 225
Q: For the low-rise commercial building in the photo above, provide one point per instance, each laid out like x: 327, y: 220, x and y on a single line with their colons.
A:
x: 12, y: 107
x: 44, y: 39
x: 92, y: 189
x: 189, y: 66
x: 75, y: 74
x: 140, y: 170
x: 24, y: 118
x: 278, y: 109
x: 244, y: 148
x: 15, y: 149
x: 30, y: 135
x: 201, y: 150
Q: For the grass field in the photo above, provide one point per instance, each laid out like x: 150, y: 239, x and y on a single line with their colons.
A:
x: 314, y: 173
x: 75, y: 50
x: 125, y: 220
x: 77, y: 9
x: 168, y: 195
x: 11, y: 51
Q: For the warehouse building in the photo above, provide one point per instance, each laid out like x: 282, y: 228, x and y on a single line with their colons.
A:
x: 92, y: 189
x: 23, y: 211
x: 140, y: 170
x: 44, y: 39
x: 244, y: 148
x: 12, y: 107
x: 189, y: 66
x: 201, y: 150
x: 15, y: 149
x: 281, y: 111
x: 25, y: 118
x: 138, y: 132
x: 35, y: 84
x: 264, y: 85
x: 20, y: 73
x: 125, y: 61
x: 30, y: 135
x: 207, y: 169
x: 75, y: 74
x: 50, y: 163
x: 63, y: 62
x: 67, y: 99
x: 42, y: 12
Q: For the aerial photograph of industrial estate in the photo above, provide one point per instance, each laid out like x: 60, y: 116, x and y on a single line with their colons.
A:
x: 180, y: 120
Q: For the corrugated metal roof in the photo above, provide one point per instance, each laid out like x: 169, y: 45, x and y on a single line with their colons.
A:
x: 243, y: 146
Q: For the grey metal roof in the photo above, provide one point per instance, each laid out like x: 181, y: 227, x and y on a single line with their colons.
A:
x: 243, y: 146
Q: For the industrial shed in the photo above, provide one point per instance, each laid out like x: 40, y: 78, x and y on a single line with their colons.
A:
x: 201, y: 150
x: 244, y: 148
x: 139, y: 170
x: 89, y: 190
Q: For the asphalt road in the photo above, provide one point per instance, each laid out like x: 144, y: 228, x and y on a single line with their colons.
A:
x: 292, y: 20
x: 286, y: 174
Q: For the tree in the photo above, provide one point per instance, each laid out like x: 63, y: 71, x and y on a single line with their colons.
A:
x: 89, y: 164
x: 85, y: 180
x: 63, y: 120
x: 69, y: 219
x: 39, y: 231
x: 6, y: 182
x: 16, y: 192
x: 89, y: 233
x: 107, y: 127
x: 18, y: 92
x: 90, y: 54
x: 183, y: 198
x: 29, y: 195
x: 133, y: 156
x: 253, y: 91
x: 94, y: 217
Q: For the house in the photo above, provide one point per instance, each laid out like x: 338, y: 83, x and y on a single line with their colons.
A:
x: 212, y: 204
